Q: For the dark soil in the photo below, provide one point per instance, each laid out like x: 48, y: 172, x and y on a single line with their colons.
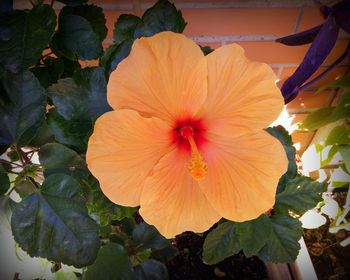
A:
x: 331, y: 261
x: 188, y: 264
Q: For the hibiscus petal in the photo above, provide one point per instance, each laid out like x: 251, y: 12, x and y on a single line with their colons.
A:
x: 172, y: 201
x: 164, y: 76
x: 243, y: 174
x: 242, y: 95
x: 123, y: 150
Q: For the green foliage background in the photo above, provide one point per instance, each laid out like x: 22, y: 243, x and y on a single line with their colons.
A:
x: 48, y: 105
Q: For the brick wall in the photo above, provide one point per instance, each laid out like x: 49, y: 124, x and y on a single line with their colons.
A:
x: 254, y: 25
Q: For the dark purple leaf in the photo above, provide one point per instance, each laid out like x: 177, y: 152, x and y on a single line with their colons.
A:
x: 300, y: 38
x: 343, y: 19
x: 315, y: 56
x: 341, y: 12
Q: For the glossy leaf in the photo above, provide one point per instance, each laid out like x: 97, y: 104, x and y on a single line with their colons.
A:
x: 283, y: 136
x: 253, y: 235
x: 4, y: 181
x: 317, y: 119
x: 115, y: 54
x: 315, y: 56
x: 112, y: 263
x: 105, y: 210
x: 22, y: 108
x: 25, y: 187
x: 206, y: 50
x: 50, y: 72
x: 329, y: 157
x: 149, y: 237
x: 342, y: 110
x: 43, y: 136
x: 282, y: 245
x: 164, y: 254
x: 93, y: 14
x: 83, y: 95
x: 76, y: 39
x: 151, y: 269
x: 73, y: 133
x: 339, y: 135
x: 57, y: 158
x: 124, y: 28
x: 220, y: 243
x: 24, y: 35
x: 345, y: 153
x: 54, y: 223
x: 299, y: 194
x: 163, y: 16
x: 301, y: 38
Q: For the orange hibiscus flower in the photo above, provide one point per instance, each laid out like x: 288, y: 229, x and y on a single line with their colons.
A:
x: 185, y: 140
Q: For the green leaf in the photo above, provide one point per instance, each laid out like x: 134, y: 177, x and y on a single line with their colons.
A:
x: 76, y: 39
x: 221, y: 243
x: 22, y: 108
x: 107, y: 211
x: 163, y: 16
x: 282, y: 245
x: 57, y: 158
x: 74, y: 133
x: 345, y: 153
x: 317, y: 119
x: 330, y: 156
x: 24, y: 35
x: 342, y: 110
x: 84, y: 95
x: 93, y: 14
x: 49, y: 72
x: 151, y: 269
x: 114, y: 55
x: 7, y: 205
x: 13, y: 155
x: 140, y: 256
x: 4, y: 181
x: 206, y: 50
x: 164, y: 254
x: 283, y: 136
x: 112, y: 263
x: 54, y: 223
x: 25, y: 187
x: 253, y: 235
x: 124, y: 28
x: 149, y: 237
x: 300, y: 194
x: 343, y: 82
x: 339, y: 135
x: 43, y: 136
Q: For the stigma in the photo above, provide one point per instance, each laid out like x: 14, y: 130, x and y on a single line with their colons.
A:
x: 197, y: 166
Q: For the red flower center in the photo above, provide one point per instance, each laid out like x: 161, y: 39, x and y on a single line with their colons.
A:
x: 184, y: 128
x: 188, y: 134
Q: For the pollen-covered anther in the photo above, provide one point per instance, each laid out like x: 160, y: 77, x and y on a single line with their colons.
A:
x: 197, y: 166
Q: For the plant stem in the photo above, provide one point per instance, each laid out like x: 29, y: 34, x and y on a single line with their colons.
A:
x: 10, y: 162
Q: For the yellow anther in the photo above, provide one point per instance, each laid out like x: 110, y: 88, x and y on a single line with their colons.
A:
x: 197, y: 166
